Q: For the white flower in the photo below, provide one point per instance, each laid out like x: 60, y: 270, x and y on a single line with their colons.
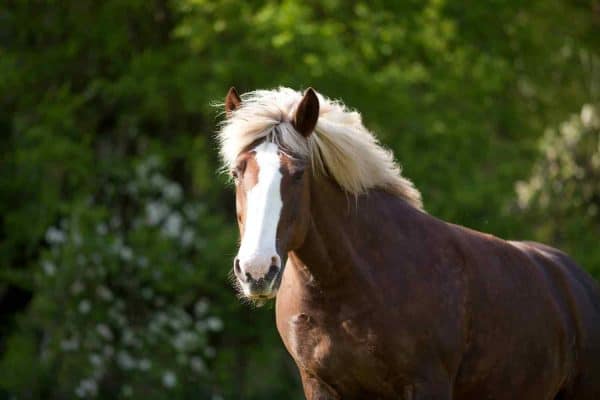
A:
x: 142, y: 262
x: 95, y: 359
x: 187, y: 237
x: 161, y: 318
x: 144, y: 364
x: 143, y: 168
x: 156, y: 212
x: 77, y: 239
x: 150, y: 163
x: 147, y: 293
x: 126, y: 253
x: 191, y: 211
x: 184, y: 340
x: 104, y: 331
x: 201, y: 307
x: 169, y: 379
x: 132, y: 188
x: 116, y: 316
x: 69, y: 344
x: 210, y: 352
x: 173, y: 224
x: 101, y: 229
x: 158, y: 181
x: 127, y: 337
x: 588, y: 116
x: 172, y: 192
x: 104, y: 293
x: 49, y: 267
x: 214, y: 323
x: 175, y: 323
x: 77, y: 287
x: 198, y: 364
x: 85, y: 306
x: 55, y: 236
x: 125, y: 361
x: 87, y: 388
x: 115, y: 221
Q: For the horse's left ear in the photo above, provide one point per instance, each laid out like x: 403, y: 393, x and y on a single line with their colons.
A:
x: 307, y: 113
x: 232, y: 101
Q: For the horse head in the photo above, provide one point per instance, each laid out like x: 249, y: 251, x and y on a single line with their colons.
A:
x: 272, y: 199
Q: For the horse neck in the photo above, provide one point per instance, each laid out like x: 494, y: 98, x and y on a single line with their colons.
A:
x: 341, y: 240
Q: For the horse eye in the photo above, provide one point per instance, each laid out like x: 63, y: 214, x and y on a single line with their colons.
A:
x: 238, y: 170
x: 297, y: 175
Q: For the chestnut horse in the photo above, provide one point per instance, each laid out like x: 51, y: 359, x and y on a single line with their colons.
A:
x: 376, y: 299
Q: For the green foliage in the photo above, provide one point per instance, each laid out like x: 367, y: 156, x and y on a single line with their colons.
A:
x: 119, y: 301
x: 449, y: 87
x: 107, y: 162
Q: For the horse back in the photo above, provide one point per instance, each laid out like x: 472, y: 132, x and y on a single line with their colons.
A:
x: 578, y: 295
x: 532, y: 306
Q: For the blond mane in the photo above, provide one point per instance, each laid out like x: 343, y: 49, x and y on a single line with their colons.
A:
x: 340, y: 147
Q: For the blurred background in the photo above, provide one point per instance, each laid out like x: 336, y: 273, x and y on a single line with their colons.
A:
x: 117, y: 234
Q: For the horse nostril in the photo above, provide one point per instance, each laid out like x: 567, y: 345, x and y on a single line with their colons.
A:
x: 273, y: 270
x: 238, y: 269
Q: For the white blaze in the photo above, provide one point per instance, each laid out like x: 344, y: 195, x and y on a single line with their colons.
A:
x: 262, y: 214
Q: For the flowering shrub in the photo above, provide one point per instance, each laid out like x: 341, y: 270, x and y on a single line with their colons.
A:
x: 565, y: 184
x: 117, y: 292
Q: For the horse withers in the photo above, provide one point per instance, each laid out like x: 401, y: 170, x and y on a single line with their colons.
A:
x: 376, y: 299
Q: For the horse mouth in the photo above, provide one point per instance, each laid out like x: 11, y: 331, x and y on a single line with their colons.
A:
x: 260, y: 300
x: 262, y: 291
x: 258, y: 293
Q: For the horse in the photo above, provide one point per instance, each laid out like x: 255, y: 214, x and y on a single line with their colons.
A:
x: 374, y: 297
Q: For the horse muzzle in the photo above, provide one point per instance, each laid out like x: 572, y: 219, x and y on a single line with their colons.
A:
x: 258, y: 283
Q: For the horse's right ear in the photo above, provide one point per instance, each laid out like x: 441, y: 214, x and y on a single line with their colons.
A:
x: 232, y: 101
x: 307, y: 113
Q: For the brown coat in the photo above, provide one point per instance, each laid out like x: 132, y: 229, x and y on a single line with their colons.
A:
x: 383, y: 301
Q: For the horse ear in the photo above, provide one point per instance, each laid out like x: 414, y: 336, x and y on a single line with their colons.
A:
x: 232, y: 101
x: 307, y: 113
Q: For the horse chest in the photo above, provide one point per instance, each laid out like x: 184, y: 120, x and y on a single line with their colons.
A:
x: 343, y: 353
